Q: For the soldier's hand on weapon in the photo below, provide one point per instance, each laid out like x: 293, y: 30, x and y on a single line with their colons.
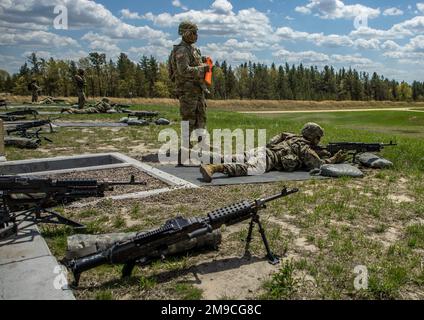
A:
x: 340, y: 157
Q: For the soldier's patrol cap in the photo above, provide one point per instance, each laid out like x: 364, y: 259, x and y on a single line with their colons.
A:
x: 187, y: 26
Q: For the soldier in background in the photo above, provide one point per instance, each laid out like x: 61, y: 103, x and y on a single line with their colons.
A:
x: 187, y: 69
x: 103, y: 106
x: 285, y: 152
x: 80, y: 83
x: 35, y: 89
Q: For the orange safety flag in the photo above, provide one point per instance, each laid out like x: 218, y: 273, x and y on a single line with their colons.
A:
x: 208, y: 74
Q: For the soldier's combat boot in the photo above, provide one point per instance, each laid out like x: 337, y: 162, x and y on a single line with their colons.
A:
x: 209, y: 170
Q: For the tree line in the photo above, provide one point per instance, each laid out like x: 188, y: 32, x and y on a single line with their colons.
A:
x: 149, y: 78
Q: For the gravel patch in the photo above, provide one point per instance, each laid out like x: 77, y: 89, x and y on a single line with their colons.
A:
x: 113, y: 175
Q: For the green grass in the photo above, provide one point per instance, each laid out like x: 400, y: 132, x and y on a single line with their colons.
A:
x: 283, y: 284
x: 188, y: 292
x: 415, y: 236
x: 348, y: 221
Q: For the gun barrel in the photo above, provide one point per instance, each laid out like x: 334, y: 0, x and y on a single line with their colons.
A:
x: 132, y: 182
x: 285, y: 192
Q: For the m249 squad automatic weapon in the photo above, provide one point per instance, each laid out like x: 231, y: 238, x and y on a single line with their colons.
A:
x: 22, y: 129
x: 18, y: 114
x: 356, y: 147
x: 138, y: 249
x: 31, y: 198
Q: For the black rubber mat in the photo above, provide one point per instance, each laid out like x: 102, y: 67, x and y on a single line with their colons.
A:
x: 192, y: 174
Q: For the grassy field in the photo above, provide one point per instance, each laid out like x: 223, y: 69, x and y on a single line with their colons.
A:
x: 322, y: 233
x: 247, y: 105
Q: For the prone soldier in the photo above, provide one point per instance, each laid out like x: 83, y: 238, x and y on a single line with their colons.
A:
x: 285, y: 152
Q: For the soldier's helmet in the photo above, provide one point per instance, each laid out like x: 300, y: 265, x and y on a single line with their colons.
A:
x: 312, y: 130
x: 186, y: 26
x: 105, y: 100
x: 81, y: 71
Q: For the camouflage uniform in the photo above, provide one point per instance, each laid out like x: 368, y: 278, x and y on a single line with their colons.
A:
x: 35, y: 89
x: 285, y: 152
x: 188, y: 72
x: 100, y: 107
x: 80, y: 82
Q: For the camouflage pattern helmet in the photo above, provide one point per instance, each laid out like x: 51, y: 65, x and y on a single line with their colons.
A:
x: 312, y: 130
x: 186, y: 26
x: 81, y: 71
x: 105, y: 100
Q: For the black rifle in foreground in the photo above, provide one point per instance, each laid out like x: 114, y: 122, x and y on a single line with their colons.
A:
x: 30, y: 198
x: 137, y: 250
x: 22, y: 129
x: 356, y: 147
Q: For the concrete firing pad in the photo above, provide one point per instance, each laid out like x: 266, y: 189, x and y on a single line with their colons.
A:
x: 28, y: 270
x: 192, y: 174
x: 93, y: 124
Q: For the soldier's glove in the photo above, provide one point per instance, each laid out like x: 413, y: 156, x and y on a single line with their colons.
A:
x: 204, y: 67
x: 339, y: 157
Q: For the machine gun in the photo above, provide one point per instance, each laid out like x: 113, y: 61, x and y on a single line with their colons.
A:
x: 22, y: 129
x: 30, y: 199
x: 18, y: 114
x: 144, y: 115
x: 137, y: 250
x: 355, y: 148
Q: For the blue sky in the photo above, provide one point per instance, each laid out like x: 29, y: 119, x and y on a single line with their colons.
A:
x: 382, y: 36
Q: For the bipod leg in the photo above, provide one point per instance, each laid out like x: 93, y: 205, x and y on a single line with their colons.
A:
x: 271, y: 257
x: 128, y: 269
x: 249, y: 238
x: 59, y: 220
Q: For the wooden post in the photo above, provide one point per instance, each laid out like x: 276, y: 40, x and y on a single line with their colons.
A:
x: 2, y: 154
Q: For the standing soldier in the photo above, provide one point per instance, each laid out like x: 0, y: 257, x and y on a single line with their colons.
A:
x: 187, y: 69
x: 35, y: 89
x: 80, y: 82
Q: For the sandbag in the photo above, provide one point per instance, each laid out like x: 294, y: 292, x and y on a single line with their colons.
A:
x: 83, y: 244
x: 135, y: 122
x: 162, y: 122
x: 338, y: 170
x: 371, y: 160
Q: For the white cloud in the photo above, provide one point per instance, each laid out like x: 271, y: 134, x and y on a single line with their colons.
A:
x: 336, y: 9
x: 401, y: 30
x: 332, y: 40
x: 127, y: 14
x: 221, y: 20
x: 102, y: 43
x: 10, y: 36
x: 222, y: 6
x: 393, y: 12
x: 178, y: 4
x: 420, y: 7
x: 309, y: 57
x: 83, y: 13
